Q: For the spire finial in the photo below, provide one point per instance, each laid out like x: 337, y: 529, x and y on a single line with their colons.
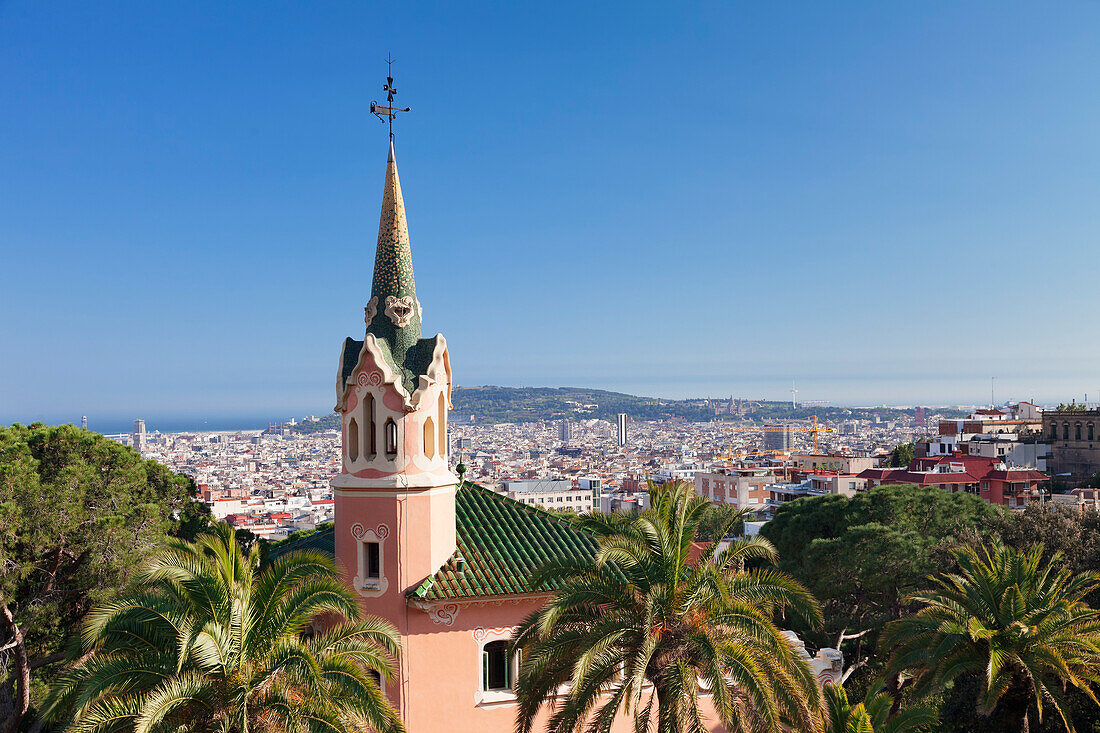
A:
x: 386, y: 112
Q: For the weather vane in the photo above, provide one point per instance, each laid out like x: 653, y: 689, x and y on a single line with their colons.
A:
x: 386, y: 112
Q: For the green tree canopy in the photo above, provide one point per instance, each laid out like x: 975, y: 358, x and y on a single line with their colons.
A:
x: 208, y: 642
x: 655, y: 620
x: 78, y: 514
x: 862, y: 556
x: 874, y: 714
x: 1013, y: 621
x: 902, y: 455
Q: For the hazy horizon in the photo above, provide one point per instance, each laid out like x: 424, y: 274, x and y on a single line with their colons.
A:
x: 187, y: 421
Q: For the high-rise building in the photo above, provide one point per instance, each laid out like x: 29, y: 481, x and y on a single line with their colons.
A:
x: 622, y: 429
x: 139, y: 435
x: 920, y: 422
x: 778, y: 440
x: 565, y: 431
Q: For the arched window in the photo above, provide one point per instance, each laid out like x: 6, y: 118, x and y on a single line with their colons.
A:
x: 391, y: 437
x: 1077, y: 432
x: 442, y: 427
x: 1091, y: 431
x: 1065, y: 431
x: 429, y: 438
x: 496, y: 667
x: 1054, y: 430
x: 368, y: 410
x: 353, y: 440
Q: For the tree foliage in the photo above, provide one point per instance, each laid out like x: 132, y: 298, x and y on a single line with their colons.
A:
x: 873, y: 714
x: 902, y: 455
x: 721, y: 518
x: 78, y: 514
x: 653, y: 621
x: 1016, y: 622
x: 208, y: 641
x: 862, y: 556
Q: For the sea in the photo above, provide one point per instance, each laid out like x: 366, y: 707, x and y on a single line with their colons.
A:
x: 167, y: 423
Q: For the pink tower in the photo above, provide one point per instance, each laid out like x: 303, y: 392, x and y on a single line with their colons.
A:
x: 395, y: 495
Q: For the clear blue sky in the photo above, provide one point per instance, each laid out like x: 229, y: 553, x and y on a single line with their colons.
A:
x: 886, y: 202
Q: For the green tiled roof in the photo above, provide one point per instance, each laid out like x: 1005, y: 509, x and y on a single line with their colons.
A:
x: 500, y: 543
x: 350, y: 361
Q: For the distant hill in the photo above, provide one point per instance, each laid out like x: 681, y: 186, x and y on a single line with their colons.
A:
x: 526, y: 404
x: 493, y: 404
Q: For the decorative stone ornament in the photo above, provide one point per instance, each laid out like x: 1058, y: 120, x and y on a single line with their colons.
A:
x: 371, y: 310
x: 443, y: 614
x: 401, y: 310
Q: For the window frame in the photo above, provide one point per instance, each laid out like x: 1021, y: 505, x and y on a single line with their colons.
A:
x: 506, y: 662
x: 483, y: 638
x: 363, y: 583
x: 391, y: 437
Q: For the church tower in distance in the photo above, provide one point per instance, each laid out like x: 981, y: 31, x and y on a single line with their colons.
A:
x: 395, y: 495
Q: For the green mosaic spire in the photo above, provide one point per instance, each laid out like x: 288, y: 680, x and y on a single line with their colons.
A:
x: 396, y: 318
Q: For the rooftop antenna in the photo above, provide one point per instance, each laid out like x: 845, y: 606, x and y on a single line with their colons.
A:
x: 386, y: 112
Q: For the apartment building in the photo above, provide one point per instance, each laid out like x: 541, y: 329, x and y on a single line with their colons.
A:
x: 1074, y: 437
x: 554, y: 494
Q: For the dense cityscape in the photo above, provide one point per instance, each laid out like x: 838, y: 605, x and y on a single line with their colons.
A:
x: 276, y: 481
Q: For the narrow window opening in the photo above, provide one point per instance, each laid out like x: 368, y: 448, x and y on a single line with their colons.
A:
x: 442, y: 427
x: 371, y: 429
x: 374, y: 561
x: 429, y: 438
x: 391, y: 437
x: 353, y: 440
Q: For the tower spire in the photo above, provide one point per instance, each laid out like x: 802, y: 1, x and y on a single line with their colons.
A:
x: 393, y: 312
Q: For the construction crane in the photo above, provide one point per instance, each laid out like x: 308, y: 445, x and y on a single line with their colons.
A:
x: 813, y: 429
x: 731, y: 457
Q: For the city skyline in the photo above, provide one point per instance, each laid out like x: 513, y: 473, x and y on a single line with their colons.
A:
x: 847, y: 200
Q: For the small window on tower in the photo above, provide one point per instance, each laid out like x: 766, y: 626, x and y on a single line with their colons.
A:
x: 391, y: 437
x: 368, y: 408
x: 429, y: 438
x: 442, y: 427
x: 374, y: 561
x: 353, y: 440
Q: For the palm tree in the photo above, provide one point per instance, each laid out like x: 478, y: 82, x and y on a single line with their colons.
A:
x: 653, y: 621
x: 1021, y: 625
x: 209, y: 641
x: 872, y: 715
